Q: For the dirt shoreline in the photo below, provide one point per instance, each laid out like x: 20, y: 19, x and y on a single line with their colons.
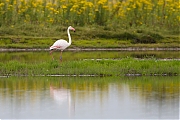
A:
x: 92, y: 49
x: 87, y: 75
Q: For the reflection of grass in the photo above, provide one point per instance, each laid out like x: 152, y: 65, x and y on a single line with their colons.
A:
x: 93, y: 67
x: 145, y: 87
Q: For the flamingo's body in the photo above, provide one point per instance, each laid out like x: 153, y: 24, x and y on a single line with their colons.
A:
x: 62, y: 44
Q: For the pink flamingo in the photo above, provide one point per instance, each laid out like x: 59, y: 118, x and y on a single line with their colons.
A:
x: 62, y: 44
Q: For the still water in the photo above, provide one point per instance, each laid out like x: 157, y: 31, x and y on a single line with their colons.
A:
x: 89, y: 97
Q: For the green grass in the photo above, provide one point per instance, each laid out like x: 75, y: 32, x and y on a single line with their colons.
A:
x: 98, y: 23
x: 45, y: 43
x: 86, y: 37
x: 92, y: 67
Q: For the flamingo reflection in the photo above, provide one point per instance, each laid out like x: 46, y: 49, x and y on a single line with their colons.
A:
x: 62, y: 96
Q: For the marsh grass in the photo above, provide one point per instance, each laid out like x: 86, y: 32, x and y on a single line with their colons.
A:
x: 31, y: 23
x: 86, y: 37
x: 125, y: 66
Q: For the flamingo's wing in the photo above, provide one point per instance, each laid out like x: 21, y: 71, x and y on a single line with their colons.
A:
x: 59, y: 44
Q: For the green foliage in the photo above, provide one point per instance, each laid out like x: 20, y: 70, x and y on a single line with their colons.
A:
x: 140, y: 21
x: 93, y: 67
x: 90, y: 36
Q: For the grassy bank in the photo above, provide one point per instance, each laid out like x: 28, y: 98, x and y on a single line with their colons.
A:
x: 87, y: 37
x: 99, y: 23
x: 92, y: 67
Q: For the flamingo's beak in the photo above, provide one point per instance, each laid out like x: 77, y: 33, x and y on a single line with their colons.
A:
x: 73, y: 29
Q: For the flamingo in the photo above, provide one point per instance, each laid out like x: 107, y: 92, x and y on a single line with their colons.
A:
x: 62, y: 44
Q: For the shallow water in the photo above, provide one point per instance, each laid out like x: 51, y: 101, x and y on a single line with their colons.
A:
x: 89, y: 97
x: 79, y: 55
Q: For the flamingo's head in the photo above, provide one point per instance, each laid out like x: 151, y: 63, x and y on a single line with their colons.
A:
x: 71, y: 28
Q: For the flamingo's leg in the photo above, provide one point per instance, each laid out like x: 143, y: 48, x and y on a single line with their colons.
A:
x: 61, y: 56
x: 51, y: 54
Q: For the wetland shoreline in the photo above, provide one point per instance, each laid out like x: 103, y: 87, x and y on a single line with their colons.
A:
x: 94, y: 49
x: 90, y: 75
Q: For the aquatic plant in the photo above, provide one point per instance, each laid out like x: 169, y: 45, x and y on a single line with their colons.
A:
x: 125, y: 66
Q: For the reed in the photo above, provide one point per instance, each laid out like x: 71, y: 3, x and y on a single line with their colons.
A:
x: 125, y: 66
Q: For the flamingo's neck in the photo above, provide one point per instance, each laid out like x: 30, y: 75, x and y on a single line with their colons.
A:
x: 69, y: 36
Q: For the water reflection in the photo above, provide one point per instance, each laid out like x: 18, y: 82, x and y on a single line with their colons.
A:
x: 62, y: 97
x: 89, y: 97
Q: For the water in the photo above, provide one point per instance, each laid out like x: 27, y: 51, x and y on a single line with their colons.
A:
x: 89, y: 97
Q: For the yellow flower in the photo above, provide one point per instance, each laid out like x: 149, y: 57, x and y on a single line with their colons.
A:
x: 34, y: 4
x: 134, y: 6
x: 105, y: 7
x: 178, y: 17
x: 52, y: 9
x: 96, y: 10
x: 39, y: 1
x: 9, y: 7
x: 160, y: 2
x: 90, y: 4
x: 79, y: 12
x: 90, y: 14
x: 64, y: 7
x: 82, y: 2
x: 14, y: 2
x: 128, y: 9
x: 101, y: 2
x: 51, y: 20
x: 56, y: 12
x: 83, y: 8
x: 49, y: 5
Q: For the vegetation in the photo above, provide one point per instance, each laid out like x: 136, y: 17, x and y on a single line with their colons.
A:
x: 126, y: 66
x: 39, y: 57
x: 82, y: 12
x: 95, y: 43
x: 85, y: 37
x: 122, y: 23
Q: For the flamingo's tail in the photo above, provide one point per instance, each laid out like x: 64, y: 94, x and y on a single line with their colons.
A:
x: 54, y: 47
x: 51, y: 48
